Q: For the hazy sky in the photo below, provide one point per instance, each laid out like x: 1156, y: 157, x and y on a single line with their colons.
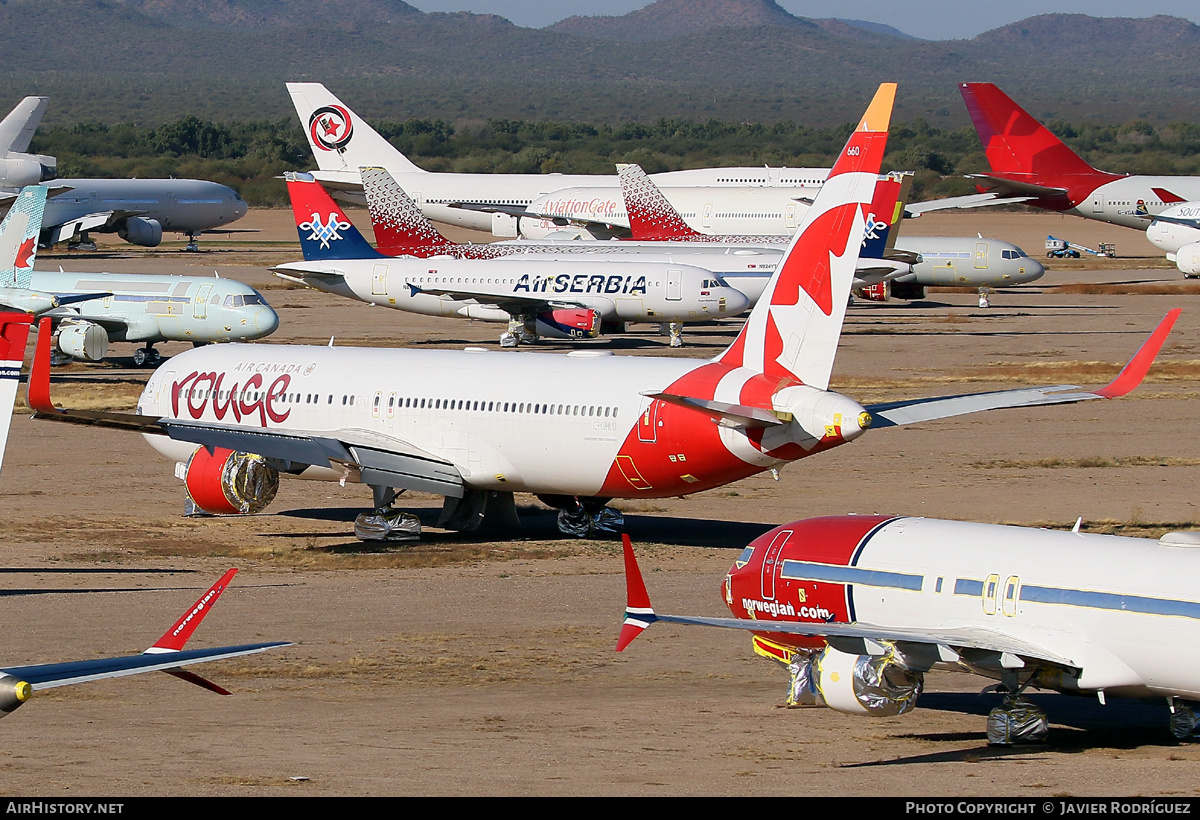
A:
x: 931, y: 19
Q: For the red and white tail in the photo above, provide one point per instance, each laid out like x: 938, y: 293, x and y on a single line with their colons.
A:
x: 651, y: 216
x: 14, y: 332
x: 173, y: 639
x: 794, y: 329
x: 400, y: 226
x: 1016, y: 143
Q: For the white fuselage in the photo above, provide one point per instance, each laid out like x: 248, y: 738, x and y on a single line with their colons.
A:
x: 1117, y: 201
x: 619, y: 289
x: 711, y: 209
x: 155, y: 308
x: 434, y: 192
x: 1123, y: 610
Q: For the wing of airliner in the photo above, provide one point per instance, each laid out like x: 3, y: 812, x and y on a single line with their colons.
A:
x: 915, y: 209
x: 18, y: 683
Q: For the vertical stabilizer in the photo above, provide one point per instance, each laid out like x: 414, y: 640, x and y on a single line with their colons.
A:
x: 324, y: 229
x: 18, y: 237
x: 651, y: 215
x: 339, y: 138
x: 794, y: 329
x: 400, y: 226
x: 16, y: 130
x: 14, y: 332
x: 1016, y: 143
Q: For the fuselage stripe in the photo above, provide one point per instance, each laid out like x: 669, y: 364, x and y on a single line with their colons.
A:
x: 1111, y: 600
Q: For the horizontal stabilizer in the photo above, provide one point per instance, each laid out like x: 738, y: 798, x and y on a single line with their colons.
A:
x: 728, y: 415
x: 915, y: 209
x: 897, y: 413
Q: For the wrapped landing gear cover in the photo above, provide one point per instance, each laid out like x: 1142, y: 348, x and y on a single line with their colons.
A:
x: 228, y: 482
x: 1017, y: 721
x: 387, y: 524
x: 1185, y: 720
x: 580, y: 522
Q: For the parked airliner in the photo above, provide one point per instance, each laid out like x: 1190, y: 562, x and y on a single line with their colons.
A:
x: 1177, y: 231
x: 560, y: 296
x: 1031, y: 165
x: 342, y: 142
x: 578, y: 429
x: 859, y: 608
x: 91, y: 309
x: 973, y: 262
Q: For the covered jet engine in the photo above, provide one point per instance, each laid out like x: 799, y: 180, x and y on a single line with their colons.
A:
x: 13, y: 692
x: 82, y: 340
x: 139, y: 230
x: 568, y: 323
x: 228, y: 482
x: 864, y: 684
x: 19, y: 170
x: 1187, y: 259
x: 878, y: 292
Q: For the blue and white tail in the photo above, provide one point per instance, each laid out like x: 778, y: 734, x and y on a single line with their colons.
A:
x: 339, y: 138
x: 14, y: 332
x: 18, y: 237
x: 794, y: 329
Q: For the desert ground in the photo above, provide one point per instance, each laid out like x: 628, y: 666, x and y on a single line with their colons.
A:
x: 484, y: 664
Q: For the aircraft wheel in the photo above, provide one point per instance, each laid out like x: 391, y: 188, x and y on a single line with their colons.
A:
x: 139, y: 357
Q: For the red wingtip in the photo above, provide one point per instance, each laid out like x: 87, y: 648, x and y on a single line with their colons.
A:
x: 1134, y: 372
x: 174, y: 638
x: 38, y: 394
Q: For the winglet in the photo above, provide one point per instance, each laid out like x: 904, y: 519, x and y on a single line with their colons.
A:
x: 14, y: 332
x: 1134, y: 372
x: 174, y: 638
x: 38, y: 393
x: 638, y: 612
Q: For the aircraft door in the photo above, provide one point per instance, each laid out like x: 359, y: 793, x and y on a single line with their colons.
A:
x: 1012, y: 588
x: 379, y: 280
x: 707, y: 220
x: 790, y: 215
x: 770, y: 560
x: 200, y: 305
x: 981, y: 253
x: 375, y: 404
x: 1098, y: 203
x: 674, y: 285
x: 991, y: 591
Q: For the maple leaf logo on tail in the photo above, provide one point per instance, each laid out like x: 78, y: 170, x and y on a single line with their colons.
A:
x: 18, y: 237
x: 794, y: 329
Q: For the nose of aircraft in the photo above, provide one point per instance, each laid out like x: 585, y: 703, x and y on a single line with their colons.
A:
x: 266, y: 321
x: 735, y: 300
x: 1033, y: 270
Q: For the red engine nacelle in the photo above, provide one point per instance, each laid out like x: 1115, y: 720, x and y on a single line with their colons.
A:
x: 228, y: 482
x: 878, y: 292
x: 569, y: 323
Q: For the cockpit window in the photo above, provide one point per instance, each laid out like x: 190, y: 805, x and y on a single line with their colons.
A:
x: 744, y: 558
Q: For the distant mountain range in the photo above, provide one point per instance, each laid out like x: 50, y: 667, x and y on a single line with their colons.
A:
x: 151, y: 61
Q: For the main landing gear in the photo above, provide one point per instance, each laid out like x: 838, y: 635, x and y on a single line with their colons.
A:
x: 585, y: 517
x: 674, y: 330
x: 520, y: 331
x: 146, y: 356
x: 192, y: 245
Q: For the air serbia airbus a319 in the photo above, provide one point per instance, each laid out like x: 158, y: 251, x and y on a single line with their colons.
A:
x: 576, y: 429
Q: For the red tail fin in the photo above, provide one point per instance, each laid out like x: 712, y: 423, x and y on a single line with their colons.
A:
x: 400, y: 226
x: 651, y: 216
x: 1014, y: 141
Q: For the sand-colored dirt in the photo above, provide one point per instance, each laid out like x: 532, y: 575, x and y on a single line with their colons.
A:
x: 484, y: 664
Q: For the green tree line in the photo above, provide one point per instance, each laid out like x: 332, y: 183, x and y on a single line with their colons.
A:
x: 251, y: 156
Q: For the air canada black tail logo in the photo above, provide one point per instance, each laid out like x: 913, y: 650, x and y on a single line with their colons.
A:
x: 330, y: 127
